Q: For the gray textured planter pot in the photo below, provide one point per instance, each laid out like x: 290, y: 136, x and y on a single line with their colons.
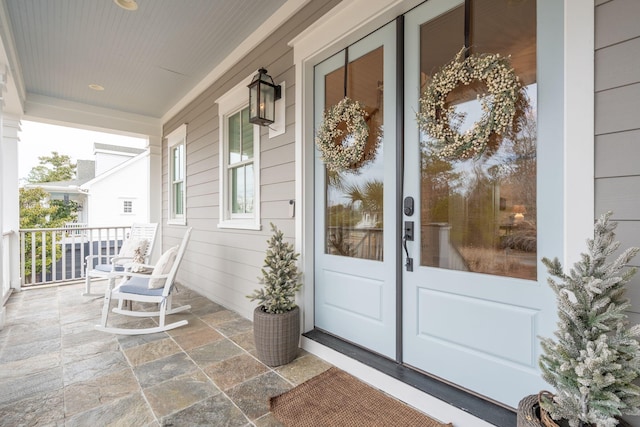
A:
x: 529, y: 415
x: 276, y: 336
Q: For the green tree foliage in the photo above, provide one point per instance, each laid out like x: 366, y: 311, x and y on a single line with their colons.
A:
x: 57, y: 167
x: 36, y: 211
x: 280, y: 276
x: 596, y: 357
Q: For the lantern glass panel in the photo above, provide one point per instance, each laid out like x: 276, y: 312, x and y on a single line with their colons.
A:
x: 267, y: 102
x: 253, y: 100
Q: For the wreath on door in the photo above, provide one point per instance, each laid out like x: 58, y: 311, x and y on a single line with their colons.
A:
x: 345, y: 139
x: 501, y: 105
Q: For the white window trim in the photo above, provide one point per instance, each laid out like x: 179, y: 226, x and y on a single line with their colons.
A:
x: 229, y: 104
x: 177, y: 137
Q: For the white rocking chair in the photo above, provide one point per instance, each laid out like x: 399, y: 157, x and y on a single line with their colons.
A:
x: 107, y: 264
x: 135, y: 287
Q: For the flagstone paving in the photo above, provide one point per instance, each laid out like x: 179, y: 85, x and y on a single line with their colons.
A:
x: 57, y: 370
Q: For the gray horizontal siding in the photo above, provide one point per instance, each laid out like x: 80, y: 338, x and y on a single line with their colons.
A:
x: 617, y: 124
x: 613, y: 154
x: 617, y: 65
x: 223, y: 264
x: 616, y: 21
x: 617, y: 109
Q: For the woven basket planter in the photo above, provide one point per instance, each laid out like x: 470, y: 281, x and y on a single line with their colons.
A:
x: 276, y: 336
x: 531, y: 415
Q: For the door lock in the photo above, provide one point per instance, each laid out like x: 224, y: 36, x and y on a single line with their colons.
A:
x: 408, y: 206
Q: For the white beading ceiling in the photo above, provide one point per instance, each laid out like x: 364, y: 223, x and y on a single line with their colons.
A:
x: 146, y: 60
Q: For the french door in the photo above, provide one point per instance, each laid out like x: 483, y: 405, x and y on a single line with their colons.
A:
x: 472, y: 298
x: 355, y: 250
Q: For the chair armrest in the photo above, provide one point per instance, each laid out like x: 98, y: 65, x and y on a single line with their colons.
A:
x: 119, y: 258
x: 132, y: 274
x: 137, y: 264
x: 92, y: 257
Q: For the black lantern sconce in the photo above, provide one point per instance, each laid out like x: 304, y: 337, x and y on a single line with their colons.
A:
x: 263, y: 94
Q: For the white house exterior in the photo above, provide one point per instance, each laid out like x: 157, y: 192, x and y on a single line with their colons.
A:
x: 119, y: 195
x: 457, y: 341
x: 111, y: 190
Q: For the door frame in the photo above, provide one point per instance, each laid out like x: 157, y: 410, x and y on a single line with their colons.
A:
x: 349, y: 21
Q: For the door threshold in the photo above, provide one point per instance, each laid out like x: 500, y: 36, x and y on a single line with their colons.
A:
x: 454, y: 396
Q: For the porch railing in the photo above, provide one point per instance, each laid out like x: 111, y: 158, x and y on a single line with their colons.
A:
x: 366, y: 243
x: 56, y: 255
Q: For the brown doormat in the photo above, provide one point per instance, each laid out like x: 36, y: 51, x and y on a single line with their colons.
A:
x: 335, y: 398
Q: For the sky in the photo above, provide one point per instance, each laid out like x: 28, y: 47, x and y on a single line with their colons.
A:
x: 39, y: 139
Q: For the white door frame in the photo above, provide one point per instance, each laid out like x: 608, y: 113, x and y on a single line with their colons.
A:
x: 349, y: 21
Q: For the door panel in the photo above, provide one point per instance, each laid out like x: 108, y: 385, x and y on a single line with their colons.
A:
x: 473, y: 305
x: 355, y: 215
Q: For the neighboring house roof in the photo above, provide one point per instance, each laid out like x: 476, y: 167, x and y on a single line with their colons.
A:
x: 58, y: 187
x: 85, y: 172
x: 87, y: 185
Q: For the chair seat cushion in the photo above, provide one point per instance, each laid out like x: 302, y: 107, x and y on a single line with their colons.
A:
x: 139, y: 286
x: 106, y: 268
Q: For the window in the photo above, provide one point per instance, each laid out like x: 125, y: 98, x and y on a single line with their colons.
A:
x: 176, y: 148
x: 127, y: 206
x: 239, y: 162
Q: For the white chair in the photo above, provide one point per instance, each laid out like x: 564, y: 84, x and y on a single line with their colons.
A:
x: 154, y: 288
x: 140, y: 236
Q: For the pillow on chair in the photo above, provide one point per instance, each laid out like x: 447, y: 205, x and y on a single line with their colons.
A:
x: 163, y: 266
x: 129, y: 247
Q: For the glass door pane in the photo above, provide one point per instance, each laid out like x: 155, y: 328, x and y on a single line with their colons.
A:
x: 354, y: 198
x: 479, y: 214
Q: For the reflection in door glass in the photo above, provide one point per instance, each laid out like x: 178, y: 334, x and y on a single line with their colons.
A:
x: 354, y: 198
x: 480, y: 215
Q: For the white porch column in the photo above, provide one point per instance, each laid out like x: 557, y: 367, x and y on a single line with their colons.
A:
x: 9, y: 213
x: 155, y: 190
x: 10, y: 195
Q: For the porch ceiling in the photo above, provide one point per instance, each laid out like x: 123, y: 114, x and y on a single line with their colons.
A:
x: 147, y: 60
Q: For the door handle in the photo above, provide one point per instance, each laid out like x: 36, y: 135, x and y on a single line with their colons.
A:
x: 408, y: 235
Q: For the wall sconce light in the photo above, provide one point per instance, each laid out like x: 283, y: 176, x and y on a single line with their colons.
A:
x: 263, y: 94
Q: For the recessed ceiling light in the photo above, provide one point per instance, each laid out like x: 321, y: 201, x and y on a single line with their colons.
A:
x: 127, y: 4
x: 96, y: 87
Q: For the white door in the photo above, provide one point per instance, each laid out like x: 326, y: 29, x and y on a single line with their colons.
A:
x: 355, y: 250
x: 475, y: 301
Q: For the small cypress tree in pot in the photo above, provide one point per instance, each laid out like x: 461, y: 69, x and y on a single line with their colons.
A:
x: 596, y: 356
x: 276, y: 320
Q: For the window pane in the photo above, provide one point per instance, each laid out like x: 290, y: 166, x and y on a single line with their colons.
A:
x: 480, y: 215
x: 354, y: 198
x: 247, y: 136
x: 178, y: 198
x: 234, y: 138
x: 177, y: 153
x: 237, y: 190
x: 242, y: 189
x: 249, y: 190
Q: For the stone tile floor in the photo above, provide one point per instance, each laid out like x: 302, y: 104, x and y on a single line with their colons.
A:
x: 57, y: 370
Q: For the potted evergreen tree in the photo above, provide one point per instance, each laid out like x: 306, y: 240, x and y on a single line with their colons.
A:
x: 596, y: 357
x: 276, y: 320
